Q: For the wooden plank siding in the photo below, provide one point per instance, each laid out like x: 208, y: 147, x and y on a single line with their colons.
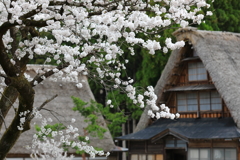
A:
x: 146, y: 147
x: 213, y: 144
x: 158, y: 149
x: 172, y: 103
x: 180, y: 78
x: 137, y: 147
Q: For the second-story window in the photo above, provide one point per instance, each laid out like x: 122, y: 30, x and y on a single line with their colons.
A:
x: 187, y: 102
x: 203, y: 101
x: 210, y: 101
x: 196, y: 71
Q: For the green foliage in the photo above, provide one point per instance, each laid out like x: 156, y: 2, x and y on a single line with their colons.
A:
x: 80, y: 106
x: 54, y: 127
x: 123, y: 103
x: 114, y: 119
x: 225, y: 16
x: 91, y: 111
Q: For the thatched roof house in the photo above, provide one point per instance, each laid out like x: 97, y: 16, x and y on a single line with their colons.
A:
x: 62, y: 108
x: 201, y: 82
x: 220, y: 54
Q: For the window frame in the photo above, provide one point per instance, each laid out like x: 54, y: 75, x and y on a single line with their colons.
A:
x: 212, y: 96
x: 155, y: 155
x: 177, y: 143
x: 211, y: 151
x: 187, y: 106
x: 197, y: 68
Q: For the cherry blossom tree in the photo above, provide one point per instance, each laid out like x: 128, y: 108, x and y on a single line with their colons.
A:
x: 81, y: 37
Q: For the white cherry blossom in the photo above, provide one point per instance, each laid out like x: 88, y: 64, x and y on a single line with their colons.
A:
x: 92, y: 38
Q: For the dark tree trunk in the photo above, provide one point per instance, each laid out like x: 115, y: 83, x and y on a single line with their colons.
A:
x: 9, y: 96
x: 26, y: 99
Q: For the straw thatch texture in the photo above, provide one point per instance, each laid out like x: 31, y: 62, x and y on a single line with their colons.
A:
x: 220, y: 54
x: 62, y: 104
x: 158, y: 90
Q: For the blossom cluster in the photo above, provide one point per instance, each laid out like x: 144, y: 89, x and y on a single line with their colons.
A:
x: 49, y: 144
x: 91, y: 38
x: 163, y: 113
x: 95, y: 31
x: 22, y: 116
x: 158, y: 112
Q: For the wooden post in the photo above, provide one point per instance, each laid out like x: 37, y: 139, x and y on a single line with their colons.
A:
x: 123, y: 142
x: 85, y: 134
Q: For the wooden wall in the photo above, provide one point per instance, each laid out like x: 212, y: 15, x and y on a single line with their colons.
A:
x: 145, y: 147
x: 216, y: 144
x: 172, y: 104
x: 180, y: 78
x: 158, y: 149
x: 213, y: 144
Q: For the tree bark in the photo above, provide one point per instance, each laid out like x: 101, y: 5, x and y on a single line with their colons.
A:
x: 26, y: 99
x: 9, y: 96
x: 9, y: 138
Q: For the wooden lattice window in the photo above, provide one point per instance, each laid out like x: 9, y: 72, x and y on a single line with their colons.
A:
x: 146, y: 157
x: 175, y: 143
x: 199, y: 154
x: 210, y: 101
x: 204, y: 101
x: 212, y: 154
x: 196, y: 71
x: 187, y: 102
x: 224, y: 154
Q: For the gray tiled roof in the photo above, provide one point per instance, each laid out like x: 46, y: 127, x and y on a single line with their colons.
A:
x: 188, y: 128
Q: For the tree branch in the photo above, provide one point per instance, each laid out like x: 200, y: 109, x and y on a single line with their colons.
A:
x: 61, y: 3
x: 9, y: 96
x: 31, y: 13
x: 47, y: 101
x: 29, y: 22
x: 1, y: 115
x: 53, y: 114
x: 6, y: 26
x: 39, y: 79
x: 106, y: 6
x: 8, y: 101
x: 3, y: 75
x: 7, y: 66
x: 31, y: 116
x: 14, y: 44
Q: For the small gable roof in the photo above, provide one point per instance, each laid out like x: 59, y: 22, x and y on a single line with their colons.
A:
x: 187, y: 129
x: 220, y: 54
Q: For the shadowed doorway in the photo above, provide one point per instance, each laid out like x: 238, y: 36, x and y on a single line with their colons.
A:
x: 176, y: 154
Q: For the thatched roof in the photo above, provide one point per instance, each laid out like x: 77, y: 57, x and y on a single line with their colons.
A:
x: 63, y: 105
x: 220, y: 54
